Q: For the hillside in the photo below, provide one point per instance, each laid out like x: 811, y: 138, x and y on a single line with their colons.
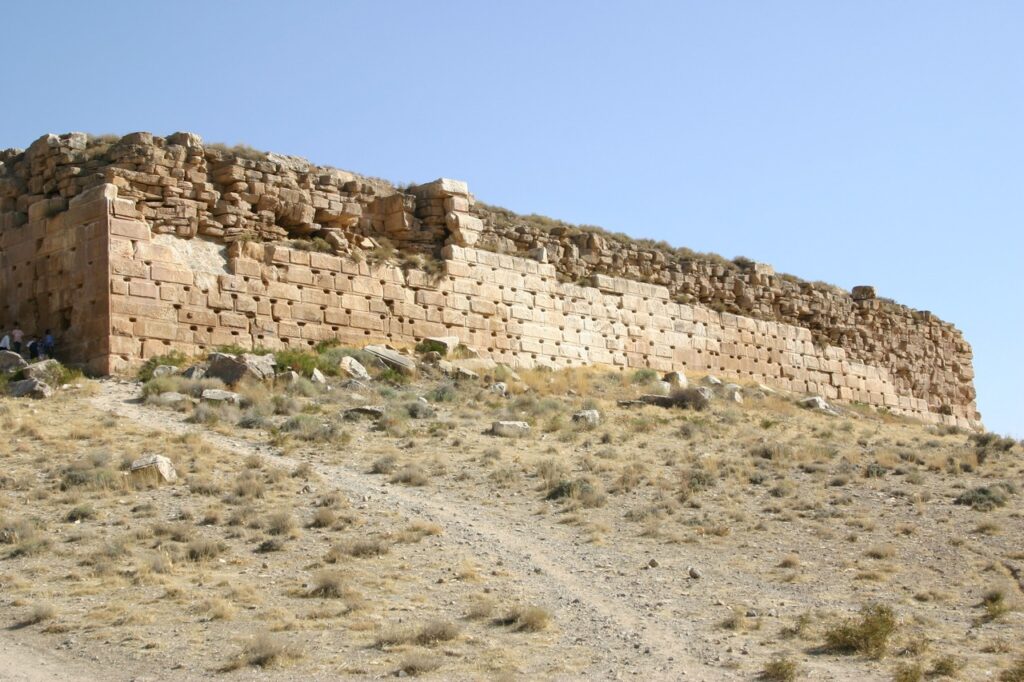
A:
x: 748, y: 536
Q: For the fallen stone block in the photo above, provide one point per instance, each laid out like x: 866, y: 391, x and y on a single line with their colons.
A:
x: 509, y: 429
x: 29, y: 388
x: 353, y: 368
x: 48, y: 371
x: 170, y: 399
x: 216, y: 395
x: 588, y: 417
x: 393, y: 359
x: 371, y: 411
x: 155, y: 468
x: 676, y: 380
x: 233, y: 368
x: 11, y: 362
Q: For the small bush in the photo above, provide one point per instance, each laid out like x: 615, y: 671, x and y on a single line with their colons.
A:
x: 1015, y: 673
x: 779, y: 670
x: 328, y: 585
x: 908, y: 672
x: 689, y: 399
x: 80, y: 513
x: 410, y: 474
x: 264, y: 651
x: 38, y: 614
x: 986, y: 498
x: 526, y: 618
x: 429, y: 346
x: 202, y: 549
x: 173, y: 359
x: 869, y: 635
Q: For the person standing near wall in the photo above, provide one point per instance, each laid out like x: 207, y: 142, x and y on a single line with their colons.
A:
x: 16, y: 337
x: 49, y: 344
x: 5, y: 342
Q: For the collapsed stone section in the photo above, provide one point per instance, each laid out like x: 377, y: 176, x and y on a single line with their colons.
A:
x: 192, y: 246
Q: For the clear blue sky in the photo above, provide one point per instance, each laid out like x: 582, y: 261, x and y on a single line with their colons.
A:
x: 859, y: 142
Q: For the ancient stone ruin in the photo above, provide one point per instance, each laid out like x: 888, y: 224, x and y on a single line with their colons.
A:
x: 132, y: 247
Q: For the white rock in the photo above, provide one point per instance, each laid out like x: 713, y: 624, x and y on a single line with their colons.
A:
x: 157, y: 465
x: 509, y: 429
x: 317, y: 377
x: 711, y: 380
x: 215, y: 395
x: 354, y: 369
x: 676, y: 380
x: 29, y: 388
x: 591, y: 417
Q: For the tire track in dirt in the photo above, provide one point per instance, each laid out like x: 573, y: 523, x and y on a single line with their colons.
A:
x: 599, y: 615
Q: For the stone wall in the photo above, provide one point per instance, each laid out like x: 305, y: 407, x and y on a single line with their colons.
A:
x: 207, y: 246
x: 54, y: 273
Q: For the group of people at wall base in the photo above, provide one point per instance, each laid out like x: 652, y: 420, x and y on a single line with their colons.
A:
x: 36, y: 348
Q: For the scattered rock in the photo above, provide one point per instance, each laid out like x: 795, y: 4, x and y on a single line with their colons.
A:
x: 450, y: 343
x: 29, y: 388
x: 216, y: 395
x: 233, y: 368
x: 499, y: 387
x: 289, y: 378
x: 164, y: 371
x: 195, y: 372
x: 509, y: 429
x: 48, y: 371
x: 706, y: 392
x: 317, y: 377
x: 816, y: 402
x: 11, y: 362
x: 653, y: 563
x: 676, y: 380
x: 733, y: 393
x: 393, y: 359
x: 170, y: 399
x: 353, y: 368
x: 589, y: 417
x: 663, y: 387
x: 463, y: 374
x: 694, y: 572
x: 155, y: 467
x: 711, y: 380
x: 372, y: 411
x: 432, y: 358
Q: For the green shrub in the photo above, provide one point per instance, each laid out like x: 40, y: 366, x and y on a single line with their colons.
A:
x: 430, y: 346
x: 987, y: 498
x: 644, y: 376
x: 689, y: 398
x: 779, y: 670
x: 174, y: 359
x: 869, y: 635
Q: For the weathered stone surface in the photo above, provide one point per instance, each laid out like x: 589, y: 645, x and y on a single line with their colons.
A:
x: 588, y: 417
x: 510, y: 429
x: 676, y: 380
x: 170, y: 399
x: 317, y: 377
x: 48, y: 371
x: 289, y: 378
x: 393, y: 359
x: 216, y: 395
x: 164, y: 371
x: 351, y: 367
x: 371, y: 411
x: 11, y: 362
x: 155, y: 467
x: 194, y: 236
x: 29, y: 388
x: 233, y: 368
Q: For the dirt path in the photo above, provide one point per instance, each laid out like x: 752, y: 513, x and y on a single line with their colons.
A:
x: 594, y: 602
x: 22, y: 662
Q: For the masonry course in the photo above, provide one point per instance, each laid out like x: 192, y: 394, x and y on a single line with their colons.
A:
x: 131, y: 247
